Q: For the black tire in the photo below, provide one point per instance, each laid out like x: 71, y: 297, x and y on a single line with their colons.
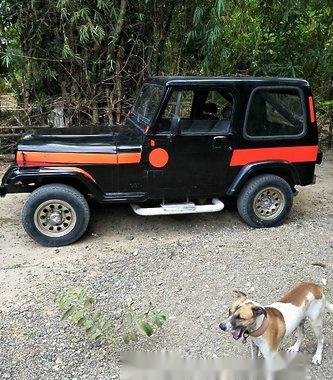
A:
x: 63, y: 202
x: 252, y: 204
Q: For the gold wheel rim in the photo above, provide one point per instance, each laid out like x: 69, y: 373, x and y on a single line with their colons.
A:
x: 269, y: 203
x: 55, y: 218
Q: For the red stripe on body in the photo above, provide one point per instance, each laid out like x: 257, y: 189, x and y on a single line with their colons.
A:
x: 292, y: 154
x: 62, y: 158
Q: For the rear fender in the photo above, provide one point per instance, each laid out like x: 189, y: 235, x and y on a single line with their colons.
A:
x: 283, y: 169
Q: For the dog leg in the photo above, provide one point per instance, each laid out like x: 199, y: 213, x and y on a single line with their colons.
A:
x: 317, y: 325
x: 274, y: 363
x: 254, y: 350
x: 269, y: 368
x: 254, y: 356
x: 300, y: 333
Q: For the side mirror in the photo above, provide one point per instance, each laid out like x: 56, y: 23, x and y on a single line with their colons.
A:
x: 175, y: 126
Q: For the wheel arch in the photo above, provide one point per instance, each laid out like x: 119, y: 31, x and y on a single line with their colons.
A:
x: 74, y: 179
x: 282, y: 169
x: 27, y: 180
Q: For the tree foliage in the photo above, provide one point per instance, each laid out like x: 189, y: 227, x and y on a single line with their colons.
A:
x: 90, y: 56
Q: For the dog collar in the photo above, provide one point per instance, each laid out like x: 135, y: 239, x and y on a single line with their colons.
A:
x: 261, y: 330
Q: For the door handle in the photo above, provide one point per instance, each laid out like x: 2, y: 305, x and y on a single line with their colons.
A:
x: 220, y: 138
x: 218, y: 141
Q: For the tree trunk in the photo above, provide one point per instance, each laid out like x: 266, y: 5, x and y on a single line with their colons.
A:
x: 159, y: 69
x: 118, y: 83
x: 115, y: 100
x: 95, y: 115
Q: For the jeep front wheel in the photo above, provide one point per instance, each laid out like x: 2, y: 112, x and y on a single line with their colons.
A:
x: 55, y: 215
x: 265, y: 201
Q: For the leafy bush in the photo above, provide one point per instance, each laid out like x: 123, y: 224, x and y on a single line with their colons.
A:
x: 91, y: 56
x: 79, y: 308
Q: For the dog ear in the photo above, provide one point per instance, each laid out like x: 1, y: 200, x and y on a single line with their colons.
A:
x: 259, y: 310
x: 240, y: 295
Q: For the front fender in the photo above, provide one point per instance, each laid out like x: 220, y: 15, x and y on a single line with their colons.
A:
x: 282, y: 168
x: 25, y: 180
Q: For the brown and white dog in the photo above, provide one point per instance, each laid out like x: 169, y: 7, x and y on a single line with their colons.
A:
x: 268, y: 325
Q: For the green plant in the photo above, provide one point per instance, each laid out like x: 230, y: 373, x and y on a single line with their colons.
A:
x: 79, y: 308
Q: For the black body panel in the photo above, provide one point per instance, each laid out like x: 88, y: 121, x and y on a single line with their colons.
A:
x: 75, y: 139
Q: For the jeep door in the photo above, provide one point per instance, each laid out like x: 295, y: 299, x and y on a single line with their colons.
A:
x: 194, y: 131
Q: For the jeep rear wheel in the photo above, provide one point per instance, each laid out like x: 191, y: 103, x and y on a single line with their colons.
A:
x: 265, y: 201
x: 55, y: 215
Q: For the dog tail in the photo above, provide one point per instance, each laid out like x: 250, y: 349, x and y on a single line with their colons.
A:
x: 329, y: 307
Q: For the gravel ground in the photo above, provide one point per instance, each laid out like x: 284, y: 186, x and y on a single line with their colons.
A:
x: 187, y: 266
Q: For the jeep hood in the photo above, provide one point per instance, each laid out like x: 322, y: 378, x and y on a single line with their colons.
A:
x: 82, y: 140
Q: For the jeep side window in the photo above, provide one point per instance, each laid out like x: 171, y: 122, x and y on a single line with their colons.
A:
x: 274, y: 113
x: 222, y: 103
x: 200, y: 111
x: 180, y: 104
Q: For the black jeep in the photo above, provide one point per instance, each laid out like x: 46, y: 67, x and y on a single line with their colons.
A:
x: 187, y: 144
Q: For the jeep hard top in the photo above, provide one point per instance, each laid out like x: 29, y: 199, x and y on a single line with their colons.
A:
x: 187, y: 145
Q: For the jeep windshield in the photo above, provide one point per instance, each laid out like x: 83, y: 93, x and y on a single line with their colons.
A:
x: 147, y: 102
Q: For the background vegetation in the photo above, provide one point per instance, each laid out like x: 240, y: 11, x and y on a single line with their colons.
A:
x: 83, y: 60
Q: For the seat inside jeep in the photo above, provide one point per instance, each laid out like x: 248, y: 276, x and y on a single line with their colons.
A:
x: 199, y: 111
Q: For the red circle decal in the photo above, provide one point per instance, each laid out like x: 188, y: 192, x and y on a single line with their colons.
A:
x: 158, y: 157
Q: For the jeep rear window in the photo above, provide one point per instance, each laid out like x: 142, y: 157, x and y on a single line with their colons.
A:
x: 147, y: 101
x: 275, y: 113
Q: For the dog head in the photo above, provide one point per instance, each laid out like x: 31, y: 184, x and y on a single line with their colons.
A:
x: 242, y: 317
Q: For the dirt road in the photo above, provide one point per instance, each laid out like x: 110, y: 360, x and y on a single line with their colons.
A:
x: 186, y: 265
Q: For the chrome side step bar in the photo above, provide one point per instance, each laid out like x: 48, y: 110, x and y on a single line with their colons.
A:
x: 178, y: 208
